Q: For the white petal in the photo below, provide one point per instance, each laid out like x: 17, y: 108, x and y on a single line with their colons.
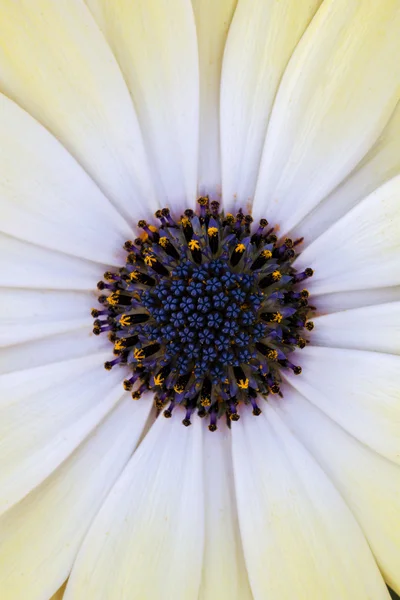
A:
x: 380, y: 164
x: 45, y: 413
x: 155, y: 44
x: 337, y: 95
x: 55, y: 348
x: 48, y: 199
x: 368, y: 483
x: 212, y: 23
x: 357, y: 389
x: 374, y: 328
x: 24, y: 265
x: 40, y: 536
x: 327, y: 303
x: 55, y: 63
x: 147, y: 540
x: 261, y: 40
x: 30, y: 314
x: 224, y: 570
x: 362, y: 249
x: 300, y: 539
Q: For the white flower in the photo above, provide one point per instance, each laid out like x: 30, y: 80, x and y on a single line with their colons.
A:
x: 110, y: 110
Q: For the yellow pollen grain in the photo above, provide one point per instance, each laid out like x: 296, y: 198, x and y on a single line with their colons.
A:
x: 212, y: 231
x: 240, y: 248
x: 277, y: 318
x: 113, y: 299
x: 194, y: 245
x: 134, y: 275
x: 138, y: 354
x: 185, y: 222
x: 206, y: 402
x: 276, y: 275
x: 266, y: 253
x: 243, y: 384
x: 119, y: 344
x: 163, y: 241
x: 272, y: 355
x: 178, y: 388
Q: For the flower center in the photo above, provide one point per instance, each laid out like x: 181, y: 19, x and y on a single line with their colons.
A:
x: 205, y: 312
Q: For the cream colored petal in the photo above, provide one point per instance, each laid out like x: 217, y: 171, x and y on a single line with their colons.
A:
x: 40, y: 536
x: 337, y: 95
x: 328, y: 303
x: 155, y: 44
x: 262, y: 37
x: 24, y: 265
x: 45, y: 413
x: 300, y: 539
x: 55, y: 63
x: 147, y: 540
x: 368, y: 483
x: 212, y: 23
x: 48, y: 199
x: 375, y: 328
x: 54, y: 348
x: 224, y: 570
x: 26, y: 315
x: 359, y: 390
x: 362, y: 249
x: 380, y: 164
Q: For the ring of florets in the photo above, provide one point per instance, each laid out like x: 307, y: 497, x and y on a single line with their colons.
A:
x: 205, y: 312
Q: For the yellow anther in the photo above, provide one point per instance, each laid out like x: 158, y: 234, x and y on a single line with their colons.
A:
x: 230, y: 218
x: 203, y: 200
x: 276, y: 275
x: 206, y: 402
x: 163, y: 241
x: 125, y: 320
x: 150, y: 260
x: 158, y: 379
x: 120, y: 344
x: 178, y: 388
x: 185, y: 222
x: 138, y: 354
x: 134, y: 275
x: 272, y: 354
x: 243, y: 383
x: 194, y: 245
x: 277, y: 317
x: 113, y: 299
x: 266, y: 253
x: 212, y: 231
x: 240, y: 248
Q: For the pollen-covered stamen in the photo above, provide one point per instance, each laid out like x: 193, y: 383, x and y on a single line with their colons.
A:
x: 206, y: 313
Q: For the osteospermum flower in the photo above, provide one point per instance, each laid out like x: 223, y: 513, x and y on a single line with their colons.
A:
x: 227, y: 174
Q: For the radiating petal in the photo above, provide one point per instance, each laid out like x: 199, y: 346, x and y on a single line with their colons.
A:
x: 357, y: 389
x: 337, y: 95
x: 24, y: 265
x: 375, y: 328
x: 328, y: 303
x: 362, y: 249
x: 380, y: 164
x: 47, y: 198
x: 147, y: 540
x: 261, y: 40
x: 40, y: 536
x: 368, y: 483
x: 212, y: 23
x: 155, y: 44
x: 26, y: 315
x: 45, y: 413
x: 300, y: 539
x: 55, y: 63
x: 224, y: 571
x: 54, y: 348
